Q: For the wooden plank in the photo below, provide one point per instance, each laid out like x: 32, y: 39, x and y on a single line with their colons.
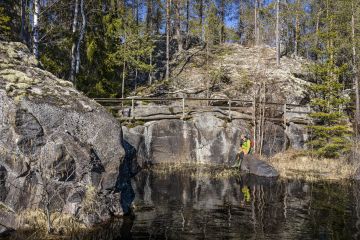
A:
x: 112, y: 100
x: 150, y: 118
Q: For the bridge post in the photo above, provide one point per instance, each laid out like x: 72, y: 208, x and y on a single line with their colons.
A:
x: 132, y: 108
x: 229, y: 109
x: 285, y: 127
x: 183, y: 106
x: 254, y: 123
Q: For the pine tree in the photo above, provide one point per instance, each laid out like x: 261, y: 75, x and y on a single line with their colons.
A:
x: 330, y: 132
x: 4, y: 24
x: 129, y: 50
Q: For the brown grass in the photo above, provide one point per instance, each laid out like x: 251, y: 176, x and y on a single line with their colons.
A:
x: 35, y: 220
x: 196, y: 170
x: 294, y: 164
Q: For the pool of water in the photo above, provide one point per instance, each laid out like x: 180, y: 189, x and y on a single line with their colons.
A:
x: 189, y: 205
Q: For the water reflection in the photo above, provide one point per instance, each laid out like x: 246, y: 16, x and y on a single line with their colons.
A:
x: 184, y: 206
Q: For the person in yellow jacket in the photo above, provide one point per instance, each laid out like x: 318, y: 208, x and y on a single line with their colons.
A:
x: 244, y: 150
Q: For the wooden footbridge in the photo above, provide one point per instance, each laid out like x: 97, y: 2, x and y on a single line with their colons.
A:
x: 148, y: 109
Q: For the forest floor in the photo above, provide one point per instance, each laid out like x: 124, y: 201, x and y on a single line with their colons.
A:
x: 294, y: 164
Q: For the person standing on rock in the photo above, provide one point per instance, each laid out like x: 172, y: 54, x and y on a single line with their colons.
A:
x: 245, y: 147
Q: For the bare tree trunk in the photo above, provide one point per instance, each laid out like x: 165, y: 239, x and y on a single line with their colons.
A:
x: 123, y: 81
x: 317, y: 32
x: 355, y: 72
x: 149, y: 17
x: 73, y: 48
x: 240, y: 27
x: 262, y: 123
x: 256, y: 31
x: 187, y: 17
x: 36, y: 19
x: 178, y: 24
x: 277, y: 33
x: 222, y: 17
x: 81, y: 37
x: 23, y: 34
x: 297, y: 29
x: 168, y: 5
x: 137, y: 12
x: 201, y: 16
x: 150, y: 73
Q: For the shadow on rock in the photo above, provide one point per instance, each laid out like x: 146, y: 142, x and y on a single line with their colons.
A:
x: 128, y: 169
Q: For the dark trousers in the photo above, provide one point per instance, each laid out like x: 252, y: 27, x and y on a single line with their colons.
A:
x: 239, y: 159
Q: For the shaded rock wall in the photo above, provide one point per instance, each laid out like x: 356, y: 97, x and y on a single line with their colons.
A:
x: 204, y: 139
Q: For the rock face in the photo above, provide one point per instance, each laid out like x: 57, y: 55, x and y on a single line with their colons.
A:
x: 232, y: 71
x: 204, y: 139
x: 56, y: 145
x: 236, y: 72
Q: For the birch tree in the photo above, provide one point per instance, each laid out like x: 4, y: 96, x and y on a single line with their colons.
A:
x: 73, y: 48
x: 81, y: 36
x: 277, y: 33
x: 35, y: 37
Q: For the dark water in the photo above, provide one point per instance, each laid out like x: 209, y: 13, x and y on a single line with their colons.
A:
x: 183, y: 206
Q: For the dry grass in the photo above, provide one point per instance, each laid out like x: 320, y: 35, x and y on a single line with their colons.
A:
x: 35, y: 220
x: 196, y: 170
x: 301, y: 165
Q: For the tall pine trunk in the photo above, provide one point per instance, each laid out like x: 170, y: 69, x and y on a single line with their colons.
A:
x: 149, y: 16
x: 240, y: 26
x: 23, y: 32
x: 355, y: 72
x: 222, y: 18
x: 187, y: 17
x: 178, y: 25
x: 168, y: 5
x: 256, y: 30
x: 317, y: 34
x: 297, y: 29
x: 277, y: 33
x: 36, y: 19
x: 201, y: 19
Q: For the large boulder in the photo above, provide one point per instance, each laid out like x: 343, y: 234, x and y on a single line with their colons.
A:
x: 58, y: 148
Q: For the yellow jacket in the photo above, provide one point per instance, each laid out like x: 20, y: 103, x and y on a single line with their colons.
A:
x: 245, y: 147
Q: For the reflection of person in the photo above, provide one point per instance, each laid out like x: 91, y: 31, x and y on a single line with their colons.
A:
x: 246, y: 191
x: 245, y: 148
x: 126, y: 227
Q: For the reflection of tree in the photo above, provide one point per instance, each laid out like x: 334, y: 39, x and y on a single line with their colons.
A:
x: 356, y: 190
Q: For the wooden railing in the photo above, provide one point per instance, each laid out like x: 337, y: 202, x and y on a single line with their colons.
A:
x: 183, y: 108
